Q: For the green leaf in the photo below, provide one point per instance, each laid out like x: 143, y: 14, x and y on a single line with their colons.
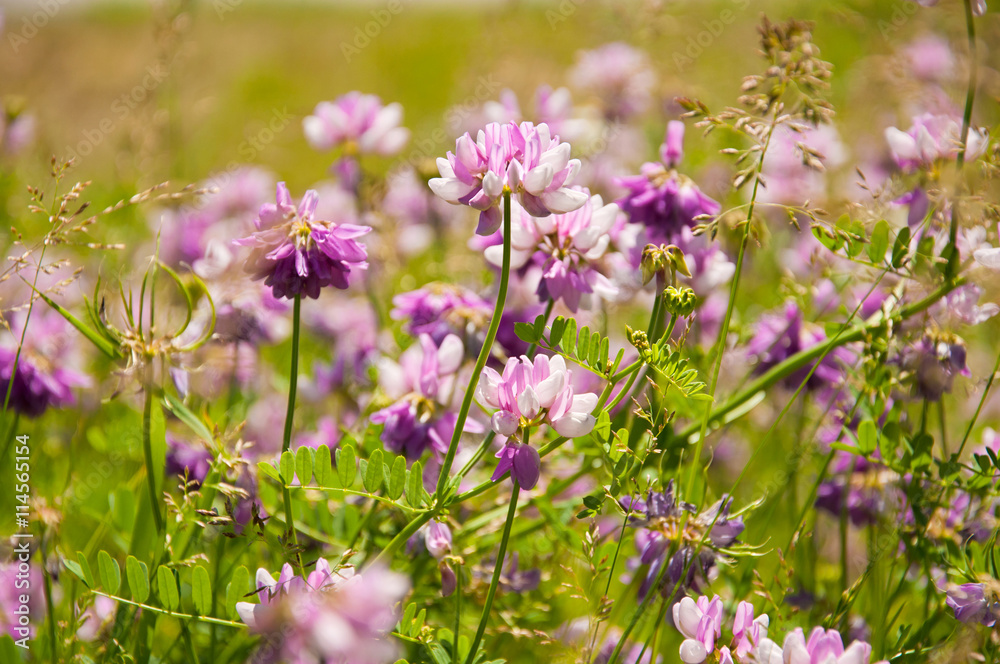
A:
x: 322, y: 466
x: 374, y: 475
x: 879, y: 242
x: 238, y: 587
x: 75, y: 568
x: 901, y: 247
x: 201, y: 591
x: 138, y: 579
x: 184, y: 414
x: 867, y: 437
x: 304, y: 465
x: 88, y: 576
x: 166, y: 588
x: 268, y: 469
x: 827, y: 238
x: 583, y: 343
x: 102, y: 343
x: 526, y: 333
x: 407, y: 619
x: 602, y: 430
x: 415, y: 485
x: 397, y: 478
x: 570, y: 334
x: 347, y: 467
x: 111, y: 574
x: 556, y: 330
x: 286, y: 467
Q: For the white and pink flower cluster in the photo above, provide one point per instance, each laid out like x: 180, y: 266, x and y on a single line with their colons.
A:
x: 330, y: 616
x: 700, y: 621
x: 530, y: 393
x: 523, y: 159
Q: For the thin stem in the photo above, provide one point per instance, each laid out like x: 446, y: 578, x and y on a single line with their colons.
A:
x: 548, y: 312
x: 979, y: 408
x: 294, y: 376
x: 720, y: 344
x: 290, y: 417
x: 496, y: 574
x: 458, y: 612
x: 484, y: 353
x: 970, y: 98
x: 147, y: 452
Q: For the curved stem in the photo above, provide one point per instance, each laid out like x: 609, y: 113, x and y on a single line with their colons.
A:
x: 496, y: 574
x: 970, y: 98
x: 484, y: 353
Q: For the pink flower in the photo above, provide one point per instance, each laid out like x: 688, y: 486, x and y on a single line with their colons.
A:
x: 701, y: 623
x: 526, y: 395
x: 619, y: 75
x: 748, y: 633
x: 567, y: 246
x: 296, y: 254
x: 932, y: 137
x: 523, y: 159
x: 359, y: 122
x: 823, y: 646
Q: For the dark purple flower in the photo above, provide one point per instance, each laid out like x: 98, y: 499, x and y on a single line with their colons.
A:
x: 970, y: 604
x: 182, y: 457
x: 934, y: 362
x: 522, y: 461
x: 298, y: 255
x: 440, y: 309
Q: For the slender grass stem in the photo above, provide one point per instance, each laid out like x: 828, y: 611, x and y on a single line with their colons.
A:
x: 484, y: 353
x: 290, y: 417
x: 147, y: 452
x: 495, y: 581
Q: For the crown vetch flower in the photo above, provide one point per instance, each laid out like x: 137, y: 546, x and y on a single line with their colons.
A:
x: 440, y: 309
x: 932, y: 137
x: 969, y: 603
x: 424, y: 385
x: 529, y: 393
x: 567, y: 246
x: 296, y: 254
x: 661, y: 198
x: 329, y: 616
x: 523, y: 159
x: 619, y: 75
x: 359, y: 122
x: 701, y: 624
x: 823, y: 646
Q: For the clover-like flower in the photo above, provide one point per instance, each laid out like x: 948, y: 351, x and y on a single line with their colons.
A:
x: 567, y: 246
x: 523, y: 159
x: 701, y: 624
x: 823, y: 646
x: 970, y: 604
x: 527, y: 394
x: 359, y: 122
x: 296, y: 254
x: 931, y: 138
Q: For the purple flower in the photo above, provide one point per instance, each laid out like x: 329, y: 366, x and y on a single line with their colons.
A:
x: 701, y: 624
x: 523, y: 159
x: 662, y: 199
x: 865, y: 489
x: 969, y: 603
x: 329, y: 616
x: 930, y: 58
x: 617, y: 74
x: 16, y: 133
x: 184, y: 458
x: 780, y: 336
x: 932, y: 137
x: 359, y: 122
x: 567, y: 246
x: 748, y: 632
x: 10, y: 596
x: 934, y: 362
x: 440, y: 309
x: 437, y: 539
x: 298, y: 255
x: 823, y: 646
x: 423, y: 383
x: 45, y: 376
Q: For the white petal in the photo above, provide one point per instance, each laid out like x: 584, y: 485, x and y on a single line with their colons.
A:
x: 537, y: 179
x: 450, y: 355
x: 563, y: 200
x: 693, y: 652
x: 549, y: 388
x: 449, y: 189
x: 574, y: 425
x: 528, y: 402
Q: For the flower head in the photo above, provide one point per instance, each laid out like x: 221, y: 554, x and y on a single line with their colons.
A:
x: 932, y: 138
x: 567, y: 246
x: 440, y: 309
x: 523, y: 159
x: 298, y: 255
x: 359, y: 122
x: 619, y: 75
x: 970, y: 604
x: 823, y: 646
x: 701, y: 624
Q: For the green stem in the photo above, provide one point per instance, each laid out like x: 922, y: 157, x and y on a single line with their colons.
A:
x: 147, y: 452
x: 290, y: 417
x: 494, y: 582
x: 484, y: 353
x: 548, y: 312
x: 970, y: 98
x: 979, y: 408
